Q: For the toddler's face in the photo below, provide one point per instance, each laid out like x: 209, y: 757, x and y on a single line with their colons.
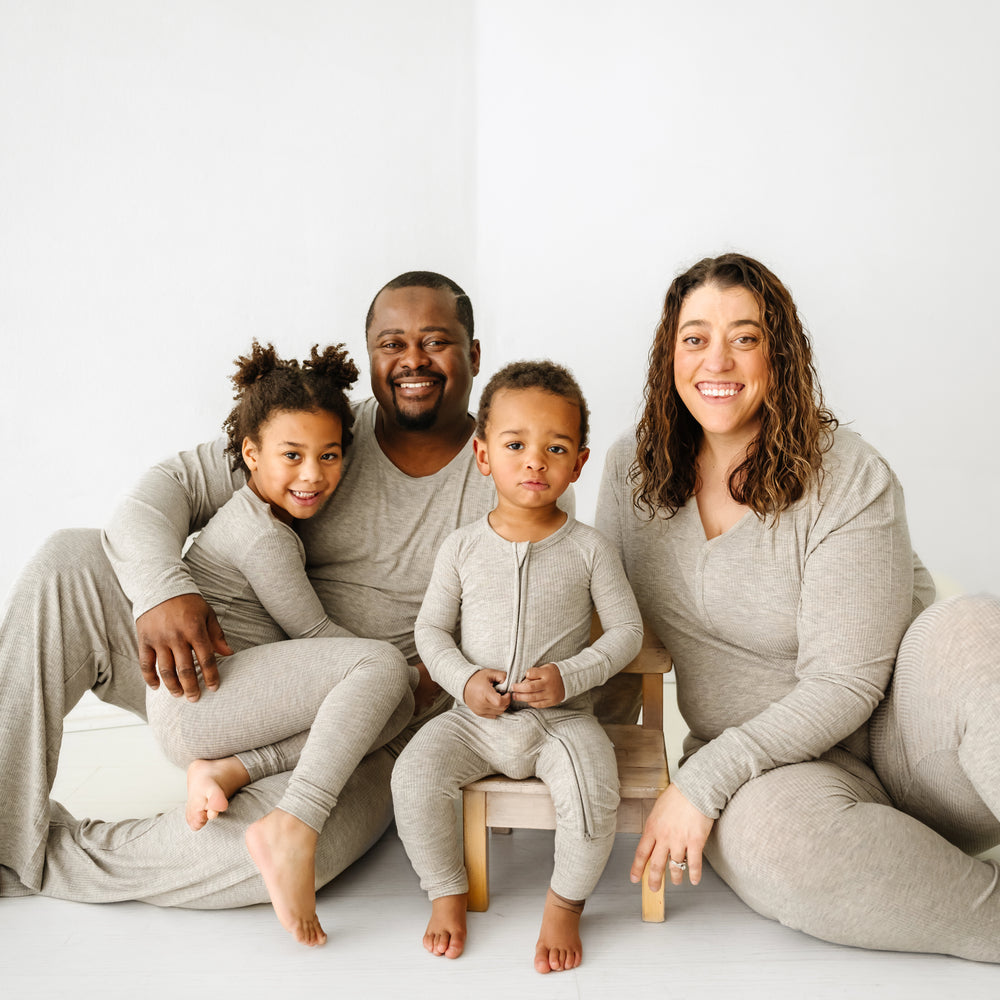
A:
x: 532, y: 447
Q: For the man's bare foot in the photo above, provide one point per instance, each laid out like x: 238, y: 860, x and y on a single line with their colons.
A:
x: 445, y: 934
x: 211, y: 784
x: 284, y: 849
x: 559, y: 947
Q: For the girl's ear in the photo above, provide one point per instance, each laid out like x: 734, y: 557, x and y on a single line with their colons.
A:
x: 249, y: 450
x: 482, y: 458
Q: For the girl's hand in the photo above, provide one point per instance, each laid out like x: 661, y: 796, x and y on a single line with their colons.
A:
x: 542, y: 687
x: 482, y: 697
x: 427, y: 690
x: 675, y: 829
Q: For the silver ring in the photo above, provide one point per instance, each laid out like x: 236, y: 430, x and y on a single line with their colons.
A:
x: 679, y: 865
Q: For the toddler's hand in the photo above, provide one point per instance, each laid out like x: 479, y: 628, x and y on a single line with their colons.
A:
x: 482, y: 697
x: 542, y: 687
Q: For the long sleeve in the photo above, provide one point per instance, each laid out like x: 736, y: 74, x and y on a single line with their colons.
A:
x: 274, y: 566
x: 854, y: 605
x: 621, y: 640
x: 437, y: 624
x: 148, y: 529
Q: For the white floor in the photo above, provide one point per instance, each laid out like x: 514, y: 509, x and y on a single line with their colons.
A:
x: 711, y: 945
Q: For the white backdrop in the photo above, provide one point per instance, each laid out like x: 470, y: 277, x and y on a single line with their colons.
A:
x: 179, y: 177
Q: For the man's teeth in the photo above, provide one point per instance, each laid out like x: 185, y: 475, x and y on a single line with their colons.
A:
x: 414, y: 385
x: 707, y: 390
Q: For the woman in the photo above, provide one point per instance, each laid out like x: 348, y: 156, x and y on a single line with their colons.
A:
x: 769, y: 551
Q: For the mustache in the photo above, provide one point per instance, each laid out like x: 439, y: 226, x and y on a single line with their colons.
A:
x: 420, y: 373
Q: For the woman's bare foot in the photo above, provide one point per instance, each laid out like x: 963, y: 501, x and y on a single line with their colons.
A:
x: 559, y: 947
x: 284, y: 849
x: 445, y: 934
x: 211, y: 784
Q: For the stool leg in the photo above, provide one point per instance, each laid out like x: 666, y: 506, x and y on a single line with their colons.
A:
x: 654, y: 906
x: 653, y: 903
x: 477, y: 857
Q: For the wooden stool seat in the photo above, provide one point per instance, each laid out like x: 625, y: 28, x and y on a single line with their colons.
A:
x: 499, y: 801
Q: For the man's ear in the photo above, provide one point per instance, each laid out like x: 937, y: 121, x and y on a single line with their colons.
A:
x: 482, y: 459
x: 249, y: 451
x: 581, y: 460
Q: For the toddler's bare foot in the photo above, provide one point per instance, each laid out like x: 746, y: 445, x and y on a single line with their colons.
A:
x: 284, y: 849
x: 445, y: 934
x: 559, y: 947
x: 211, y: 784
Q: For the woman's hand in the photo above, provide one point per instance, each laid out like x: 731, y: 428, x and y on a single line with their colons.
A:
x: 675, y: 829
x: 482, y: 697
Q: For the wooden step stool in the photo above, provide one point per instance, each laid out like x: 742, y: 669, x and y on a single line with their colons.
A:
x: 498, y: 801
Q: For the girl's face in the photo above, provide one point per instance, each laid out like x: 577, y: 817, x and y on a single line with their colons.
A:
x: 720, y: 366
x: 296, y: 464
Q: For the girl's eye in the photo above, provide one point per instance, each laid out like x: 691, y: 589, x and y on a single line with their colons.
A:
x: 515, y: 446
x: 331, y: 456
x: 292, y: 456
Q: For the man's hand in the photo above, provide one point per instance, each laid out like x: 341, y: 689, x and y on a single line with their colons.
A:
x: 427, y: 690
x: 482, y: 697
x: 169, y: 634
x: 542, y: 687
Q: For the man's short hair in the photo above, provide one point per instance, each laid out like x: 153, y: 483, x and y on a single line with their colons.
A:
x: 429, y: 279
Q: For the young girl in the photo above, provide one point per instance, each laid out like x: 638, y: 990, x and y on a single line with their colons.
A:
x: 317, y: 703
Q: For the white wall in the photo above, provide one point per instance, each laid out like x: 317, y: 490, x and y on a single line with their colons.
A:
x: 852, y: 146
x: 179, y: 177
x: 176, y: 178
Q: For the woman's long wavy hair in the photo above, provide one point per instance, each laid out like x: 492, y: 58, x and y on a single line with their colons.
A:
x: 796, y: 428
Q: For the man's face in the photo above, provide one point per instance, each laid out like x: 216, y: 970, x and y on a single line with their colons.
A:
x: 422, y: 364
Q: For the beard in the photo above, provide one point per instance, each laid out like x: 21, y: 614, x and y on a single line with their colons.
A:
x: 420, y: 420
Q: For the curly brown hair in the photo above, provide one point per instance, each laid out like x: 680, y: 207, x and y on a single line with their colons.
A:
x: 796, y: 428
x: 545, y: 375
x: 266, y: 384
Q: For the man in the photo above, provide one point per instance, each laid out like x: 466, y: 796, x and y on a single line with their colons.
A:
x: 409, y: 480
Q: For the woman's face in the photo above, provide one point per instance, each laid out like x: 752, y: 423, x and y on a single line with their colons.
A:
x: 720, y: 368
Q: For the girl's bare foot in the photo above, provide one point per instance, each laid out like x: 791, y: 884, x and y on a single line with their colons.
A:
x: 559, y: 947
x: 445, y: 934
x: 211, y: 784
x: 284, y: 849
